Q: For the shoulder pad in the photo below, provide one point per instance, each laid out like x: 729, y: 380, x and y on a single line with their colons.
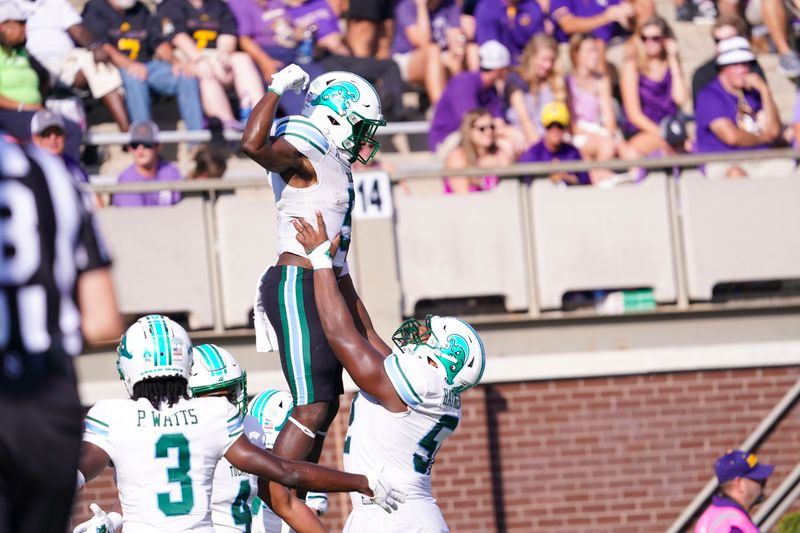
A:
x: 99, y: 418
x: 303, y: 135
x: 411, y: 377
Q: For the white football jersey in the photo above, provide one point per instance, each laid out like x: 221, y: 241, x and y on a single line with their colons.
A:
x: 416, y: 435
x: 333, y: 193
x: 164, y: 459
x: 233, y: 491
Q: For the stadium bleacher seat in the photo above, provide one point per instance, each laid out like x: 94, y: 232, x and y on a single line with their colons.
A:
x: 587, y: 238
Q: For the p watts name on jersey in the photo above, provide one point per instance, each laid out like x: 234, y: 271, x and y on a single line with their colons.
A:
x: 184, y: 417
x: 451, y: 400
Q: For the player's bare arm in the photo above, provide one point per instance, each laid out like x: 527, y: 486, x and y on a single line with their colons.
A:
x: 362, y: 360
x: 93, y: 461
x: 291, y: 509
x: 360, y: 315
x: 276, y: 155
x: 248, y: 457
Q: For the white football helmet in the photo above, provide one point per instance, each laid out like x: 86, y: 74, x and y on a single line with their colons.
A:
x: 153, y: 347
x: 214, y: 369
x: 449, y: 344
x: 272, y: 409
x: 346, y: 108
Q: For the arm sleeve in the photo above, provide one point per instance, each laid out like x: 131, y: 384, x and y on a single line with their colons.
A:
x: 304, y: 136
x: 228, y: 23
x: 408, y: 378
x: 97, y: 427
x: 93, y: 21
x: 486, y: 24
x: 67, y: 15
x: 559, y: 8
x: 234, y: 426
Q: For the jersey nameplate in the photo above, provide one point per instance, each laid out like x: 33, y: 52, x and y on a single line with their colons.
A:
x: 184, y: 417
x: 450, y: 400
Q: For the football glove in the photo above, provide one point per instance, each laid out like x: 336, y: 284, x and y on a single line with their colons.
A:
x: 384, y: 496
x: 100, y: 522
x: 289, y: 78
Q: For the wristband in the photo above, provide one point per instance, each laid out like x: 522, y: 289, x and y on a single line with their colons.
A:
x: 320, y: 256
x: 80, y: 481
x: 116, y: 520
x: 276, y: 91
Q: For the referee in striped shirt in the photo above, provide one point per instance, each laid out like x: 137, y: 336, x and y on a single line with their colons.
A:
x: 55, y: 292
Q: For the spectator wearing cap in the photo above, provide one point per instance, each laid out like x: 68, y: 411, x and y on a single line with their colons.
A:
x: 132, y: 36
x: 741, y: 486
x: 23, y: 81
x: 510, y: 22
x: 72, y: 55
x: 725, y: 27
x: 553, y: 148
x: 48, y: 132
x: 432, y: 41
x: 147, y: 166
x: 653, y: 89
x: 736, y: 112
x: 471, y: 90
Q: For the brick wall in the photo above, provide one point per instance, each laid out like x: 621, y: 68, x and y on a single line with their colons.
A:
x: 608, y: 454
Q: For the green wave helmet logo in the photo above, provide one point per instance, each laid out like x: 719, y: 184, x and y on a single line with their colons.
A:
x: 455, y: 354
x: 338, y: 97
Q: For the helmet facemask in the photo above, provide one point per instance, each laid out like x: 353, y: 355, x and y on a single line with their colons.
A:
x: 363, y: 135
x: 215, y: 370
x: 459, y: 346
x: 236, y: 391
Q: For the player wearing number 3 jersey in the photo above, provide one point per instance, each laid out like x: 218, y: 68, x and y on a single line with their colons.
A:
x: 165, y: 446
x: 309, y: 157
x: 410, y: 399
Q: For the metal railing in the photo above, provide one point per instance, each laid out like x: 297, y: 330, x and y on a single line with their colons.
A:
x: 178, y: 136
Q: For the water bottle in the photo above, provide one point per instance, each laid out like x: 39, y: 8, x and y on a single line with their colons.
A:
x: 305, y: 51
x: 244, y: 110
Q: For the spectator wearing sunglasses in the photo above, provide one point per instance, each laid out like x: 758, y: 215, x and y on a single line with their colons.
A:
x: 478, y: 148
x: 741, y: 487
x: 553, y: 148
x: 147, y: 165
x: 48, y: 131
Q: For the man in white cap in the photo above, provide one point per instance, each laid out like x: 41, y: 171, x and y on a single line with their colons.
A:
x: 471, y: 90
x: 737, y: 112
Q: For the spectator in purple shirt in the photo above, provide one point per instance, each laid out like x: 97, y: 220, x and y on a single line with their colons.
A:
x: 471, y: 90
x: 653, y: 88
x: 147, y: 165
x: 552, y: 147
x: 736, y: 111
x: 605, y: 19
x: 432, y: 42
x: 511, y: 22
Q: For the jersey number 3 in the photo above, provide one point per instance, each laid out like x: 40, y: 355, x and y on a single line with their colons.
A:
x: 178, y: 474
x: 432, y: 441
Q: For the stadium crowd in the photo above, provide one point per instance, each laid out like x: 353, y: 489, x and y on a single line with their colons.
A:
x: 491, y: 76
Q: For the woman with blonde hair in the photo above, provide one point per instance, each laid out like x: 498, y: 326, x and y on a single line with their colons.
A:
x: 594, y: 126
x: 538, y: 82
x: 478, y: 148
x: 653, y: 89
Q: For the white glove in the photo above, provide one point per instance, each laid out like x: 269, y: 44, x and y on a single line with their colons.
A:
x: 289, y: 78
x: 385, y: 496
x: 100, y: 522
x: 318, y: 501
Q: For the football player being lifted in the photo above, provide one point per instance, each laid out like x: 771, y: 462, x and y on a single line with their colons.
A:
x: 309, y: 158
x: 410, y: 398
